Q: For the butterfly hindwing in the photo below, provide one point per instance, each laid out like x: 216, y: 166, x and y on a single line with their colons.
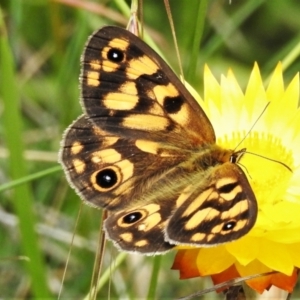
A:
x: 140, y: 229
x: 222, y: 210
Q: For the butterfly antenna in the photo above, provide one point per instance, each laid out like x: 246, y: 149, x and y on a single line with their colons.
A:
x: 247, y: 134
x: 245, y: 151
x: 168, y: 9
x: 270, y: 159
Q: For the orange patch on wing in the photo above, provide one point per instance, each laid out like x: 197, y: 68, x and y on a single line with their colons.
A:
x: 140, y: 66
x: 93, y: 78
x: 95, y: 64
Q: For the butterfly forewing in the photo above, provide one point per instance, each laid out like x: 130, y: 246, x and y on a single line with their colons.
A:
x: 129, y: 90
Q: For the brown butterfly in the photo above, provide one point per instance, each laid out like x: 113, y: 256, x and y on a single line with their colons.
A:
x: 145, y: 151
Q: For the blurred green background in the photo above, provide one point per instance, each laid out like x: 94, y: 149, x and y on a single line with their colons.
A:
x: 41, y: 43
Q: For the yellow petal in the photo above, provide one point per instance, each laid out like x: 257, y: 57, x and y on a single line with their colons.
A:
x: 244, y: 250
x: 255, y: 95
x: 212, y: 89
x: 275, y: 88
x: 275, y: 256
x: 213, y: 260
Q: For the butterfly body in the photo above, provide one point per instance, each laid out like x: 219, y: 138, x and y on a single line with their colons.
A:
x: 145, y: 151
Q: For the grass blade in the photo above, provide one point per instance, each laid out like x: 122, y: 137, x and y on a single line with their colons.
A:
x: 23, y: 200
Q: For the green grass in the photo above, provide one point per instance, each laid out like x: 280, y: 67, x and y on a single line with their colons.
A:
x: 40, y: 47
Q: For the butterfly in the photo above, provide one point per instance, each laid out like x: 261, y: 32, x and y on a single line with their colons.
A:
x: 145, y: 151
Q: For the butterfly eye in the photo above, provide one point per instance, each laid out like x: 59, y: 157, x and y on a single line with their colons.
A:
x: 132, y: 217
x: 229, y: 226
x: 233, y: 159
x: 106, y: 179
x: 115, y: 55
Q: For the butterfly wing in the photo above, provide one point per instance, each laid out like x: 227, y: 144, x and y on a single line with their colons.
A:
x: 123, y: 176
x: 140, y: 229
x: 112, y: 171
x: 221, y: 210
x: 128, y: 90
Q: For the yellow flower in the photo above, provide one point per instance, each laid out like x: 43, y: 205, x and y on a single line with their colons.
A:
x: 272, y: 164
